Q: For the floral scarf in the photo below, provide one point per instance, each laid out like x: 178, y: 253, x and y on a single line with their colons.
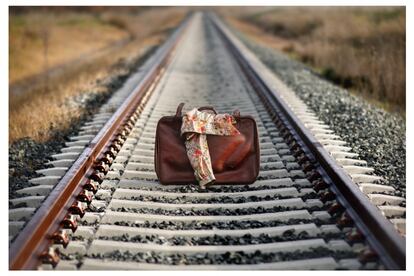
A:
x: 196, y: 124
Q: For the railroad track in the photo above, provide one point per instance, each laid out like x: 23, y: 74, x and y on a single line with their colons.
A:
x: 102, y: 207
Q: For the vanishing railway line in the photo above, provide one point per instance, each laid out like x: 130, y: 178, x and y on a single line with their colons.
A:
x: 101, y: 206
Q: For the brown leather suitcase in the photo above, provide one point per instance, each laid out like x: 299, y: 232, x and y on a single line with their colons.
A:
x: 235, y: 159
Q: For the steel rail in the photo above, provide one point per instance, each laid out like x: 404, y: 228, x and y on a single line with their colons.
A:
x: 35, y: 237
x: 378, y: 231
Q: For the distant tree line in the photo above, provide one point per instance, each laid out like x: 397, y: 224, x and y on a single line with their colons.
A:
x: 81, y: 9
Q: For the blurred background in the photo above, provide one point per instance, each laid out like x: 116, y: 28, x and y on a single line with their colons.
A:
x: 63, y: 58
x: 359, y: 48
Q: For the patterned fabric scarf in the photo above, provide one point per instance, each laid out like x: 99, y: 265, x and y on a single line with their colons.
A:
x: 196, y: 125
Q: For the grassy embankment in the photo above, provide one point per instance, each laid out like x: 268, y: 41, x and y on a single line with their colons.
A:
x: 359, y: 48
x: 59, y: 54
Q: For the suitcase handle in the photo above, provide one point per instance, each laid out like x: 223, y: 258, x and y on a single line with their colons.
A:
x: 236, y: 113
x: 179, y: 109
x: 207, y: 108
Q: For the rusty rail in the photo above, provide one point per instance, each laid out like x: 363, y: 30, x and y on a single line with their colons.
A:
x: 36, y: 237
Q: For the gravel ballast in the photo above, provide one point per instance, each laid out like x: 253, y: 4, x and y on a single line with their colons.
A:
x: 376, y: 135
x: 201, y: 225
x: 246, y: 239
x: 207, y: 212
x: 238, y: 257
x: 191, y: 188
x: 221, y: 199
